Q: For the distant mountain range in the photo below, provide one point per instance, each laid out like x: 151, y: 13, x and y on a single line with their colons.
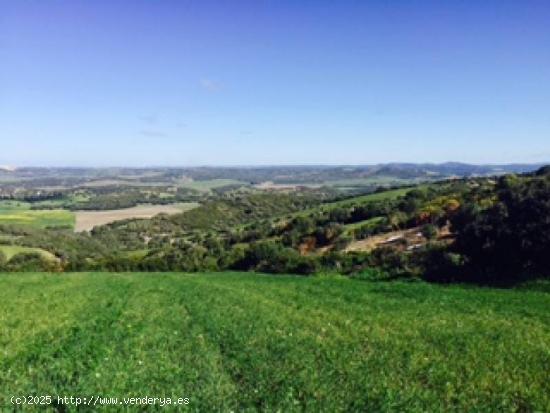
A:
x: 451, y: 169
x: 313, y: 174
x: 325, y: 173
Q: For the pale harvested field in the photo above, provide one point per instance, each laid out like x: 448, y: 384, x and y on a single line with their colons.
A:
x: 86, y: 220
x: 270, y: 185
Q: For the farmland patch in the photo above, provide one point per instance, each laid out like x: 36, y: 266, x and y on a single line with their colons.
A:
x: 86, y: 220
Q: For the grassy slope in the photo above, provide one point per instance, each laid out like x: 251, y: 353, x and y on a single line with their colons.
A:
x: 19, y: 213
x: 376, y: 196
x: 369, y: 222
x: 244, y: 341
x: 356, y: 200
x: 10, y: 250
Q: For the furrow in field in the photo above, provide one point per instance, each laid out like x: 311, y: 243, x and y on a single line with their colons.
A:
x: 272, y: 355
x: 379, y: 343
x: 247, y: 342
x: 162, y: 351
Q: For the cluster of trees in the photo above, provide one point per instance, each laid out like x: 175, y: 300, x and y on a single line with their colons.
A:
x: 430, y: 207
x: 265, y: 256
x: 105, y: 198
x: 501, y: 235
x: 29, y: 195
x: 510, y: 239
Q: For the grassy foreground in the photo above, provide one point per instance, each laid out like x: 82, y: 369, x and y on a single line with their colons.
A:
x: 248, y: 342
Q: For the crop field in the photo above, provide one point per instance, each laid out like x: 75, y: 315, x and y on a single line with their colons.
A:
x: 19, y: 213
x: 248, y: 342
x: 86, y: 220
x: 270, y: 185
x: 368, y: 181
x: 208, y: 185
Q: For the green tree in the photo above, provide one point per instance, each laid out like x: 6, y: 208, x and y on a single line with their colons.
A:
x: 510, y: 239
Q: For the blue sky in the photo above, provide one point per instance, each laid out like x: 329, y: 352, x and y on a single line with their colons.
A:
x: 142, y: 83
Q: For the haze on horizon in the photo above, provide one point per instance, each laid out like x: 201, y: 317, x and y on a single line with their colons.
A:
x: 142, y: 83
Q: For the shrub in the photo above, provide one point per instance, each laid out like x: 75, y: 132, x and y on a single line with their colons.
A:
x: 440, y: 265
x: 29, y: 262
x: 394, y: 262
x: 429, y: 231
x: 371, y: 274
x: 342, y: 242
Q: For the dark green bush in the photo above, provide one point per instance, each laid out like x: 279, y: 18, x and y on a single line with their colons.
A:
x: 29, y: 262
x: 429, y: 231
x: 509, y: 240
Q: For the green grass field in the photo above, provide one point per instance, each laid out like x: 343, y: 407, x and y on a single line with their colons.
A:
x: 19, y: 213
x: 246, y: 342
x: 375, y: 196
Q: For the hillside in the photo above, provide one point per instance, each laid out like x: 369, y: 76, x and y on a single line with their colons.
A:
x: 459, y: 230
x: 249, y: 342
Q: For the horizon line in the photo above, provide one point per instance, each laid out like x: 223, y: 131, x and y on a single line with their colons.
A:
x: 7, y: 167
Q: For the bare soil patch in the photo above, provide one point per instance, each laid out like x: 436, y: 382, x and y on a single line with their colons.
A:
x: 86, y: 220
x: 410, y: 237
x: 408, y: 240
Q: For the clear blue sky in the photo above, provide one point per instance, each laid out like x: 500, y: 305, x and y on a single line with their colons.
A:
x: 163, y: 82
